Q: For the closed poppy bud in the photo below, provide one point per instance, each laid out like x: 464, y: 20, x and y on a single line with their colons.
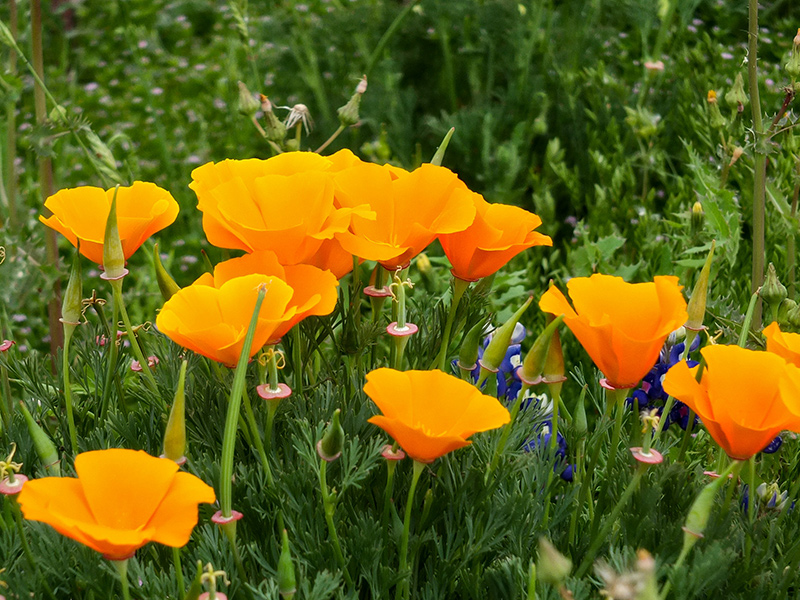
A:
x: 496, y: 350
x: 793, y: 316
x: 552, y: 567
x: 736, y: 96
x: 71, y: 305
x: 697, y: 303
x: 287, y: 584
x: 533, y: 366
x: 468, y: 356
x: 330, y: 446
x: 166, y: 284
x: 113, y: 256
x: 581, y: 425
x: 45, y: 448
x: 248, y: 105
x: 773, y: 291
x: 175, y: 434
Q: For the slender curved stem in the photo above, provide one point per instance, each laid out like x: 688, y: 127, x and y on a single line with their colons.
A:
x: 73, y: 437
x: 404, y: 587
x: 329, y: 504
x: 116, y: 285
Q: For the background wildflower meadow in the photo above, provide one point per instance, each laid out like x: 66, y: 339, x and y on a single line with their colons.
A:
x: 421, y: 299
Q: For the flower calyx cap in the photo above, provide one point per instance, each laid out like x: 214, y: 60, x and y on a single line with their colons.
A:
x: 269, y: 393
x: 10, y: 481
x: 219, y: 519
x: 648, y: 457
x: 389, y: 453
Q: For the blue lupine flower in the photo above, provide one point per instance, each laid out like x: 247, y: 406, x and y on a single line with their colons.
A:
x: 773, y: 446
x: 652, y: 396
x: 542, y: 440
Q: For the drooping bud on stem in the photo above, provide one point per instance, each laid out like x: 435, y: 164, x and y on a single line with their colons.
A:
x: 330, y: 446
x: 248, y: 105
x: 348, y: 114
x: 773, y: 292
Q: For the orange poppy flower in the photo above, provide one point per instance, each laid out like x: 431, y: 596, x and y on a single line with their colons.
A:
x: 430, y: 413
x: 497, y: 235
x: 314, y: 290
x: 621, y: 325
x: 410, y: 210
x: 81, y: 214
x: 120, y: 500
x: 744, y: 398
x: 284, y: 204
x: 784, y: 344
x: 213, y: 321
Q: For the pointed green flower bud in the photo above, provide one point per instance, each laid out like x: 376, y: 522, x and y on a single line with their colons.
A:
x: 45, y: 448
x: 579, y: 420
x: 535, y: 360
x: 552, y: 567
x: 438, y: 157
x: 72, y: 303
x: 166, y: 284
x: 287, y: 584
x: 248, y: 105
x: 175, y: 434
x: 348, y: 114
x: 274, y: 128
x: 496, y: 350
x: 468, y: 356
x: 113, y: 257
x: 736, y: 96
x: 697, y: 303
x: 330, y: 446
x: 773, y: 292
x: 793, y: 65
x: 700, y: 512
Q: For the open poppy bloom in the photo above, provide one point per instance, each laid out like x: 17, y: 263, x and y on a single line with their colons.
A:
x: 430, y: 413
x: 314, y: 290
x: 285, y: 204
x: 81, y: 214
x: 410, y: 210
x: 621, y: 325
x: 784, y: 344
x: 121, y: 500
x: 744, y: 398
x: 497, y: 235
x: 213, y: 321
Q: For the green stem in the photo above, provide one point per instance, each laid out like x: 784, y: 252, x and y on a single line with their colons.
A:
x: 122, y: 569
x: 602, y: 535
x: 119, y: 302
x: 617, y: 399
x: 501, y: 443
x: 687, y: 435
x: 387, y: 494
x: 256, y: 437
x: 398, y: 20
x: 232, y: 418
x: 11, y: 128
x: 760, y: 163
x: 176, y: 560
x: 404, y: 587
x: 748, y: 319
x: 329, y: 504
x: 111, y: 365
x: 551, y: 455
x: 297, y: 359
x: 330, y: 139
x: 751, y: 489
x: 459, y: 287
x: 73, y: 437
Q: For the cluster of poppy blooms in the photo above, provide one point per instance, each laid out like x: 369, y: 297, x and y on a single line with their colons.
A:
x: 303, y: 221
x: 745, y: 398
